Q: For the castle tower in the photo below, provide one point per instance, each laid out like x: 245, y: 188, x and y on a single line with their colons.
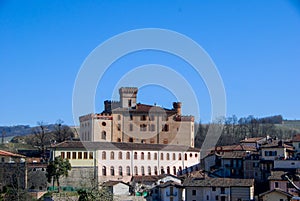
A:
x: 177, y: 107
x: 128, y: 96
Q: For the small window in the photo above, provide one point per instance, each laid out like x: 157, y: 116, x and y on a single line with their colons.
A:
x: 119, y: 127
x: 149, y: 156
x: 120, y: 156
x: 128, y: 171
x: 143, y: 170
x: 179, y: 156
x: 168, y: 156
x: 161, y: 156
x: 155, y: 156
x: 112, y: 171
x: 120, y: 171
x: 73, y: 155
x: 136, y: 170
x: 85, y: 155
x: 165, y: 128
x: 112, y: 155
x: 213, y: 188
x: 130, y: 139
x: 185, y: 157
x: 68, y: 155
x: 143, y: 127
x: 103, y: 135
x: 104, y: 171
x: 103, y: 123
x: 194, y: 192
x: 174, y: 156
x: 62, y: 155
x: 276, y: 184
x: 143, y: 118
x: 128, y: 155
x: 135, y: 155
x: 103, y: 155
x: 149, y: 170
x: 130, y: 127
x: 142, y: 156
x: 79, y: 155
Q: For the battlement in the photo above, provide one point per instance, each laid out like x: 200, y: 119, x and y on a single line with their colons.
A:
x: 130, y: 90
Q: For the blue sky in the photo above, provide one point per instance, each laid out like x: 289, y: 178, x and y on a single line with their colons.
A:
x: 254, y: 45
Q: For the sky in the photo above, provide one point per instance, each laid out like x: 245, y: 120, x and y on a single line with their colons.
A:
x: 255, y: 46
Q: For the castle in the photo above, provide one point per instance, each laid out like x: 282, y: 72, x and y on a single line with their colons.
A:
x: 132, y: 122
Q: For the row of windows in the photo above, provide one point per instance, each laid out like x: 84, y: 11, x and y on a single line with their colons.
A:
x: 163, y: 156
x: 145, y: 117
x: 270, y: 153
x: 85, y: 124
x: 145, y: 127
x: 77, y: 155
x: 141, y: 171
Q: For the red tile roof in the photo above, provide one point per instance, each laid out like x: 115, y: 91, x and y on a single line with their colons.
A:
x: 252, y: 139
x: 10, y: 154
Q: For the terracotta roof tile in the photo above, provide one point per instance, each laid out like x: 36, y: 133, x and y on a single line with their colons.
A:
x: 10, y: 154
x: 218, y: 182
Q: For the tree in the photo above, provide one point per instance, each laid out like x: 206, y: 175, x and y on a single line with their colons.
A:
x: 62, y: 132
x: 58, y: 168
x: 95, y: 193
x: 41, y: 136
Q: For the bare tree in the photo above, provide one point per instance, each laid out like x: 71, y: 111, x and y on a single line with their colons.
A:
x: 41, y: 137
x: 62, y: 132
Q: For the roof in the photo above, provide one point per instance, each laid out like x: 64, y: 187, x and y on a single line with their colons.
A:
x: 235, y: 154
x: 251, y: 140
x: 146, y: 178
x: 121, y: 146
x: 112, y: 183
x: 218, y: 182
x: 277, y: 144
x: 296, y: 138
x: 237, y: 147
x: 10, y: 154
x: 170, y: 183
x: 278, y: 191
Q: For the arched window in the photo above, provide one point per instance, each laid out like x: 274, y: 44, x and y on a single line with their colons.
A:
x: 142, y: 156
x: 128, y: 171
x: 104, y: 171
x: 168, y: 170
x: 179, y: 156
x: 136, y: 170
x: 135, y: 155
x: 149, y: 156
x: 185, y: 156
x: 174, y: 156
x: 155, y: 170
x: 103, y: 135
x: 174, y: 170
x: 103, y: 155
x: 120, y: 155
x: 161, y: 156
x: 112, y: 155
x: 168, y: 156
x: 162, y: 171
x: 149, y: 170
x: 155, y: 156
x: 120, y: 171
x: 128, y: 155
x: 112, y: 171
x: 143, y: 170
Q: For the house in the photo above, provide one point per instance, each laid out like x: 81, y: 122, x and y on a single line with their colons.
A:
x: 127, y: 120
x: 277, y: 180
x: 117, y: 188
x: 296, y: 143
x: 120, y: 161
x: 255, y: 142
x: 275, y: 195
x: 168, y: 191
x: 219, y: 189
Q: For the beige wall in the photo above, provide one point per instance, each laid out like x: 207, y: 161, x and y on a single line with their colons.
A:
x: 274, y: 196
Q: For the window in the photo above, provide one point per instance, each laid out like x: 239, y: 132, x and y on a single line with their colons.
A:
x: 103, y: 123
x: 194, y: 192
x: 130, y: 127
x: 68, y: 155
x: 174, y: 156
x: 276, y: 184
x: 149, y: 170
x: 128, y: 171
x: 168, y: 156
x: 143, y: 170
x: 155, y: 156
x: 196, y: 155
x: 128, y: 155
x: 120, y: 155
x: 217, y: 197
x: 174, y: 170
x: 142, y: 156
x: 91, y: 155
x: 85, y: 155
x: 213, y: 188
x: 62, y: 155
x: 151, y: 117
x: 165, y: 128
x: 161, y: 156
x: 119, y: 139
x: 103, y: 155
x: 207, y: 197
x: 149, y: 156
x: 135, y: 155
x: 185, y: 156
x: 155, y: 170
x: 112, y: 155
x: 168, y: 170
x: 179, y: 156
x: 119, y: 117
x: 136, y: 170
x: 73, y: 155
x: 79, y: 155
x: 129, y: 103
x: 130, y: 139
x: 103, y: 135
x: 152, y: 127
x: 120, y: 171
x: 162, y: 171
x: 143, y: 127
x: 104, y: 171
x: 191, y: 155
x: 119, y: 127
x: 165, y: 141
x: 222, y: 190
x: 143, y: 118
x: 112, y: 171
